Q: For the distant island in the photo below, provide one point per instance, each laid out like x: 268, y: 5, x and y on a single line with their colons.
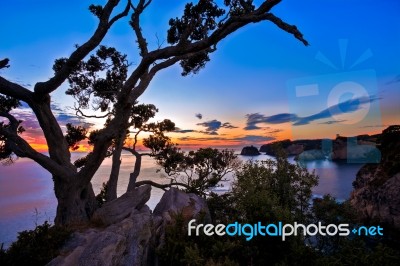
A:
x: 357, y: 148
x: 250, y: 151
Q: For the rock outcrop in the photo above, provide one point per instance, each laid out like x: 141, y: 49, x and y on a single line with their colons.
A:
x: 376, y: 189
x: 360, y: 149
x: 121, y: 208
x: 250, y: 151
x: 126, y: 232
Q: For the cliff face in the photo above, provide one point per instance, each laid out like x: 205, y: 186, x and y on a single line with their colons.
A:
x: 377, y: 197
x: 376, y: 193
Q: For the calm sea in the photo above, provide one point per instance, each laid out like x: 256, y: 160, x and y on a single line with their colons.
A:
x: 27, y: 196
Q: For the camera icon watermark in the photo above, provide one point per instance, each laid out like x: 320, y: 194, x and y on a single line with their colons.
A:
x: 336, y: 107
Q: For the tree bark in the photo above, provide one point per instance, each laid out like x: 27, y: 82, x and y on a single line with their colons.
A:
x: 76, y: 202
x: 115, y: 167
x: 136, y: 170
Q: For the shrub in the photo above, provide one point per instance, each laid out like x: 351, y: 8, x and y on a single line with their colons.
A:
x: 35, y: 247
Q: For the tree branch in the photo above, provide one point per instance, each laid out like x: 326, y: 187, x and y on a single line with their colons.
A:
x: 15, y: 90
x: 43, y: 88
x: 135, y: 24
x: 21, y: 148
x: 161, y: 186
x: 145, y: 79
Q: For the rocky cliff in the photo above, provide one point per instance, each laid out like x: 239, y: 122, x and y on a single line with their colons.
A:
x: 376, y: 188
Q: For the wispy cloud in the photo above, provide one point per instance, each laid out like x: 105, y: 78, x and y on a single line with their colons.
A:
x: 396, y: 79
x: 331, y: 122
x: 253, y: 120
x: 183, y: 131
x: 199, y: 116
x: 240, y: 139
x: 349, y: 106
x: 374, y: 126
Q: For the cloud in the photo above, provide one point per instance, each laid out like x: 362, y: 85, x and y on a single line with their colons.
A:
x: 183, y: 131
x: 228, y: 125
x: 255, y: 138
x: 199, y: 116
x: 330, y: 122
x: 242, y: 139
x: 374, y: 126
x: 349, y: 106
x: 33, y: 131
x: 396, y: 79
x: 275, y: 131
x: 212, y: 126
x: 256, y: 118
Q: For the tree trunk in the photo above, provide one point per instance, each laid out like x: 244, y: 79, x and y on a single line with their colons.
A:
x: 76, y: 202
x: 113, y: 180
x: 115, y: 167
x: 136, y: 171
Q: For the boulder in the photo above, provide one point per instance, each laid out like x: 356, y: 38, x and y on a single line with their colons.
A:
x: 120, y: 208
x: 175, y: 201
x: 130, y: 233
x: 124, y: 243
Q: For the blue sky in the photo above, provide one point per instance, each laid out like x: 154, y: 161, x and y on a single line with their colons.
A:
x: 254, y: 74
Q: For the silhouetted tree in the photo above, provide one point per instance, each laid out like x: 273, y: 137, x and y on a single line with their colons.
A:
x: 98, y: 77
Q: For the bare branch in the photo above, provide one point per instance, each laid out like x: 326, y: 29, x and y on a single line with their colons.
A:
x: 135, y: 24
x: 122, y: 14
x: 145, y: 79
x: 42, y: 88
x: 15, y: 90
x: 287, y: 27
x: 79, y: 112
x: 161, y: 186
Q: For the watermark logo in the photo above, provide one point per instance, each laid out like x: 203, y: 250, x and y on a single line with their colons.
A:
x: 341, y: 102
x: 249, y: 231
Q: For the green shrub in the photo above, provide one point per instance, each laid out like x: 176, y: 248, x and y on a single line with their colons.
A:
x: 35, y: 247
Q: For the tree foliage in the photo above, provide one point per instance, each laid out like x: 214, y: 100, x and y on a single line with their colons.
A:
x: 197, y: 171
x: 105, y: 85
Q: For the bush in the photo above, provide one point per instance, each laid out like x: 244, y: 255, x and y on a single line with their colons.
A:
x: 269, y: 192
x: 35, y: 247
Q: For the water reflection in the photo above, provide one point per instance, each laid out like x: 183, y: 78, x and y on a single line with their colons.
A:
x: 27, y: 196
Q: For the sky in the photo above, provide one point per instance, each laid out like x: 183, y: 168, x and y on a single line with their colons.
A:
x: 261, y: 84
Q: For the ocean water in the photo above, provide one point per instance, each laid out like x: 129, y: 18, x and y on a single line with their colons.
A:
x: 27, y: 195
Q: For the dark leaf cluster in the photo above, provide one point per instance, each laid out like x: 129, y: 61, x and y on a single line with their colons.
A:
x: 141, y: 113
x: 96, y: 10
x: 74, y: 135
x: 8, y: 103
x: 96, y: 82
x: 196, y: 23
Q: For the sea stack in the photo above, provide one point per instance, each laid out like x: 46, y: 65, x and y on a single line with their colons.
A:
x: 250, y: 151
